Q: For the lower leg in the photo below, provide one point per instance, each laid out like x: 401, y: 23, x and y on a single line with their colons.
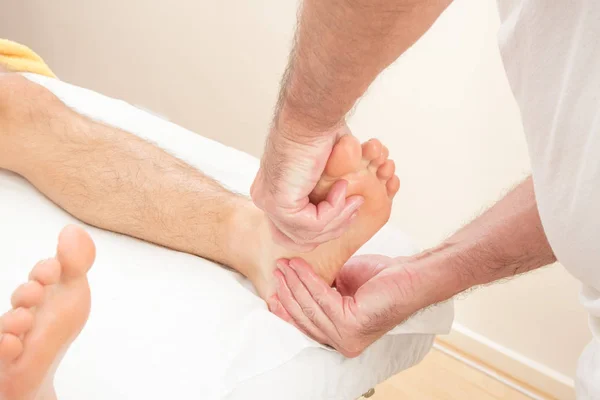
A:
x: 107, y: 177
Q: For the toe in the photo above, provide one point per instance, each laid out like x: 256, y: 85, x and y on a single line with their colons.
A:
x: 371, y: 150
x: 76, y: 252
x: 392, y: 186
x: 28, y: 295
x: 46, y: 272
x: 382, y: 157
x: 11, y: 347
x: 344, y: 158
x: 17, y: 322
x: 386, y: 170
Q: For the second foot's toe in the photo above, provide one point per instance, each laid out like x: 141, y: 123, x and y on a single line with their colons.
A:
x: 28, y: 295
x: 11, y: 347
x: 17, y: 322
x: 46, y: 272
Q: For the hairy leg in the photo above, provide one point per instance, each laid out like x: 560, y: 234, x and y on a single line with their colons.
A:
x: 110, y: 178
x: 114, y: 180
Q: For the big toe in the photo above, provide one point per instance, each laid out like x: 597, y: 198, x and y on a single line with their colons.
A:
x: 345, y: 157
x: 76, y: 252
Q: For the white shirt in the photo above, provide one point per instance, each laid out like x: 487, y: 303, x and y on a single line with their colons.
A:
x: 551, y: 53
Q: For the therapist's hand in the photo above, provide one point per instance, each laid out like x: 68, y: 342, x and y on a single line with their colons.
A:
x: 374, y: 294
x: 291, y: 166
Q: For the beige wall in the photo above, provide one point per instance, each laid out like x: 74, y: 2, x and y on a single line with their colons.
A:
x: 444, y: 109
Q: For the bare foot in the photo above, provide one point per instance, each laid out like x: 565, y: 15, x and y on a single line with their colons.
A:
x: 368, y: 172
x: 48, y: 313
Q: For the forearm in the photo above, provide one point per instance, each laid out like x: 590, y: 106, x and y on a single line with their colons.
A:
x: 505, y: 241
x: 109, y: 178
x: 341, y: 46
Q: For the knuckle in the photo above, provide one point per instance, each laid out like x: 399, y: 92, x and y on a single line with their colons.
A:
x: 320, y: 300
x: 309, y: 312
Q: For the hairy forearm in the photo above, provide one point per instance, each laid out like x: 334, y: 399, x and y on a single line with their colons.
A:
x: 505, y: 241
x: 341, y: 46
x: 107, y: 177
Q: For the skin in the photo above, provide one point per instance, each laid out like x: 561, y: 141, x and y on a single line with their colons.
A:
x: 376, y: 293
x: 49, y: 312
x: 111, y: 179
x: 341, y: 46
x: 124, y: 184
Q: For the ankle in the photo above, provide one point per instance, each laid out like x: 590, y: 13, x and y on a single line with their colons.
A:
x: 244, y: 236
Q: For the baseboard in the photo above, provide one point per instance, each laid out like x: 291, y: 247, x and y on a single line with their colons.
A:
x: 509, y: 362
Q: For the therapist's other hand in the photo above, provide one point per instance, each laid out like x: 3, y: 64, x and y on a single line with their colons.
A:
x: 290, y: 168
x: 373, y: 296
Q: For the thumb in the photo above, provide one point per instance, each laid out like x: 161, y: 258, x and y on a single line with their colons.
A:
x: 359, y: 270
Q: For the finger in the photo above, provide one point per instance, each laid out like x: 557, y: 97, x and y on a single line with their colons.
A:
x: 289, y: 303
x: 323, y: 297
x: 280, y: 238
x: 310, y: 307
x: 287, y: 233
x: 277, y: 308
x: 349, y: 209
x: 358, y: 270
x: 335, y: 198
x: 336, y: 208
x: 336, y: 233
x: 316, y: 219
x: 312, y: 220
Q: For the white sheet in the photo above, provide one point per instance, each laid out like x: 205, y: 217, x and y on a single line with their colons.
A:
x: 168, y: 325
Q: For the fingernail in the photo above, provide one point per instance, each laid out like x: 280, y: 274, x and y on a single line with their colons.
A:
x: 280, y: 264
x: 293, y: 264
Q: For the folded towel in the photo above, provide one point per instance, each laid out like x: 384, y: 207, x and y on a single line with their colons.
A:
x: 18, y: 58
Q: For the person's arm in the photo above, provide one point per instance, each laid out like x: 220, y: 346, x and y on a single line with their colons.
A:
x: 340, y: 48
x: 505, y: 241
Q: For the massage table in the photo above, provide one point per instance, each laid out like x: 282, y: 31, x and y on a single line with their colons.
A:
x: 169, y: 325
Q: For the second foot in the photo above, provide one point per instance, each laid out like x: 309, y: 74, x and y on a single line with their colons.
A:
x: 49, y: 312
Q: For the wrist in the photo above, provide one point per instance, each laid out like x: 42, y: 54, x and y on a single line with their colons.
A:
x: 443, y: 272
x: 289, y: 138
x: 296, y: 124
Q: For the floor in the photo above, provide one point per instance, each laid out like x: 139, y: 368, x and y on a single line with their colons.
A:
x: 441, y: 377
